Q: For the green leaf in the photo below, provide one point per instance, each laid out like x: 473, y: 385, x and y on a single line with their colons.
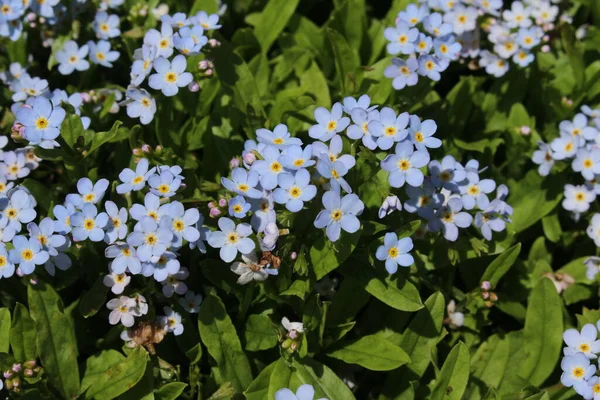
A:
x: 102, y: 137
x: 346, y: 58
x: 220, y: 338
x: 372, y: 352
x: 120, y: 377
x: 71, y: 129
x: 94, y: 299
x: 210, y: 6
x: 532, y: 198
x: 452, y: 380
x: 55, y: 339
x: 542, y: 333
x: 488, y: 366
x: 327, y: 256
x: 260, y: 333
x: 259, y: 388
x: 23, y: 334
x: 5, y: 324
x: 551, y: 226
x: 307, y: 371
x: 423, y: 332
x: 170, y: 391
x: 273, y: 19
x: 500, y: 266
x: 97, y: 364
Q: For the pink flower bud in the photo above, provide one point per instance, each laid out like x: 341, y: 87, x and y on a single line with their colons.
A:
x: 16, y: 368
x: 28, y: 372
x: 19, y: 272
x: 486, y: 285
x: 31, y: 16
x: 294, y: 255
x: 214, y: 43
x: 137, y: 151
x: 546, y: 38
x: 545, y: 48
x: 7, y: 374
x: 33, y: 281
x: 234, y: 162
x: 202, y: 65
x: 294, y: 346
x: 211, y: 204
x: 194, y: 87
x: 293, y: 334
x: 222, y: 202
x: 86, y: 97
x: 525, y: 130
x: 485, y: 295
x: 208, y: 72
x: 249, y: 158
x: 146, y: 148
x: 214, y: 212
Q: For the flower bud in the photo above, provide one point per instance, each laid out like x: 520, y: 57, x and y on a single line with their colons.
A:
x: 286, y: 343
x: 390, y: 204
x: 545, y: 48
x: 16, y: 368
x: 146, y: 148
x: 525, y: 130
x: 137, y: 151
x: 294, y: 346
x: 249, y: 158
x: 214, y: 212
x: 30, y: 364
x: 7, y: 374
x: 234, y: 163
x: 194, y: 87
x: 17, y: 131
x: 158, y: 148
x: 293, y: 334
x: 28, y: 372
x: 294, y: 255
x: 202, y: 65
x: 214, y: 43
x: 208, y: 72
x: 493, y: 297
x: 211, y: 204
x: 485, y: 295
x: 486, y: 285
x: 222, y: 203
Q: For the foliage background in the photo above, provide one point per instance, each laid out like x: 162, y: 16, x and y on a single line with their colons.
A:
x: 279, y: 60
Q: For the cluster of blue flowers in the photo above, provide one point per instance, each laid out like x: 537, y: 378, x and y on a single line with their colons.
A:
x: 280, y: 169
x: 457, y: 27
x: 178, y: 32
x: 577, y: 143
x: 427, y: 42
x: 578, y: 364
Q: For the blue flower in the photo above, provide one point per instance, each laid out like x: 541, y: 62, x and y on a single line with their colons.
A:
x: 280, y: 137
x: 328, y: 123
x: 404, y: 165
x: 421, y: 133
x: 27, y: 86
x: 304, y: 392
x: 44, y: 8
x: 63, y: 214
x: 447, y: 48
x: 389, y: 205
x: 204, y: 234
x: 335, y: 170
x: 150, y: 238
x: 44, y: 234
x: 434, y: 25
x: 447, y: 174
x: 395, y: 252
x: 475, y: 191
x: 413, y: 14
x: 243, y: 182
x: 140, y: 105
x: 164, y: 184
x: 162, y: 41
x: 401, y: 38
x: 151, y: 208
x: 100, y: 53
x: 578, y: 128
x: 449, y: 218
x: 134, y: 180
x: 191, y: 302
x: 360, y: 128
x: 423, y: 44
x: 231, y: 239
x: 72, y: 57
x: 577, y: 198
x: 178, y: 20
x: 269, y: 168
x: 208, y: 22
x: 170, y: 75
x: 142, y: 66
x: 7, y: 268
x: 117, y: 222
x: 389, y: 128
x: 88, y: 192
x: 27, y: 253
x: 363, y: 103
x: 294, y: 190
x: 17, y: 210
x: 339, y: 213
x: 576, y: 371
x: 402, y: 72
x: 42, y: 122
x: 60, y: 261
x: 13, y: 166
x: 488, y: 222
x: 160, y: 267
x: 106, y: 26
x: 523, y: 59
x: 333, y: 151
x: 264, y: 212
x: 294, y: 157
x: 565, y: 146
x: 423, y: 201
x: 238, y: 207
x: 124, y: 258
x: 430, y: 67
x: 587, y: 162
x: 88, y: 224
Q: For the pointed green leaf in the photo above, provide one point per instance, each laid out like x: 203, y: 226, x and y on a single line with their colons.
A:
x: 453, y: 377
x: 23, y: 334
x: 260, y: 333
x: 501, y: 265
x: 372, y: 352
x: 5, y: 323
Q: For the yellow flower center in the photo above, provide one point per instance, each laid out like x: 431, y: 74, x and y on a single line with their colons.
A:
x: 448, y: 217
x: 584, y: 347
x: 295, y: 192
x: 365, y: 127
x: 278, y: 141
x: 116, y: 222
x: 126, y: 252
x: 42, y: 239
x: 443, y: 49
x: 576, y: 132
x: 404, y: 165
x: 171, y: 77
x: 587, y: 163
x: 89, y: 198
x: 164, y: 188
x: 123, y: 308
x: 151, y: 239
x: 41, y: 123
x: 276, y: 167
x: 424, y: 201
x: 580, y: 196
x: 335, y: 174
x: 100, y: 56
x: 429, y: 65
x: 238, y: 208
x: 146, y: 64
x: 243, y: 187
x: 509, y: 46
x: 528, y: 40
x: 393, y: 252
x: 27, y: 255
x: 331, y: 125
x: 473, y: 190
x: 146, y: 103
x: 104, y: 27
x: 2, y: 187
x: 519, y: 18
x: 596, y: 388
x: 204, y: 25
x: 89, y: 224
x: 153, y: 215
x: 14, y: 168
x: 403, y: 39
x: 578, y: 372
x: 419, y: 137
x: 462, y: 19
x: 299, y: 162
x: 569, y: 146
x: 2, y: 261
x: 163, y: 43
x: 233, y: 238
x: 390, y: 131
x: 138, y: 179
x: 120, y: 278
x: 336, y: 215
x: 5, y: 9
x: 73, y: 59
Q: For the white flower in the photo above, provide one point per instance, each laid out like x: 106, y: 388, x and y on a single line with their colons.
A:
x: 72, y: 57
x: 170, y: 76
x: 123, y: 310
x: 292, y: 326
x: 172, y: 321
x: 116, y: 282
